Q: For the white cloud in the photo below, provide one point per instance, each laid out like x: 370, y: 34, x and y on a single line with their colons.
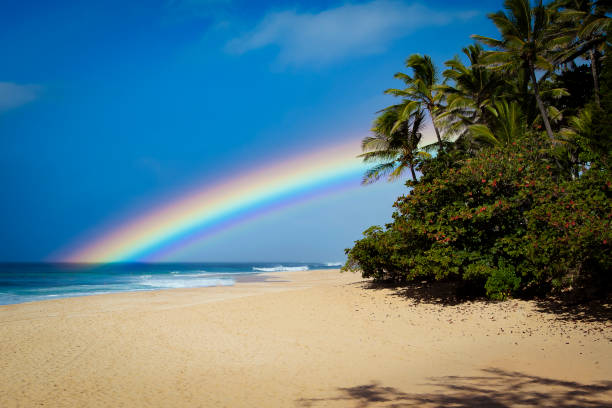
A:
x: 337, y: 33
x: 14, y: 95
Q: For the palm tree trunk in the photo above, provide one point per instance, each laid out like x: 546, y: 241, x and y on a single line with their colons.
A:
x: 414, y: 177
x: 595, y: 79
x: 435, y: 127
x: 483, y: 116
x: 540, y: 103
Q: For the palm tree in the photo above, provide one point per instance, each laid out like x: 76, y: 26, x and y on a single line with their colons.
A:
x: 585, y: 25
x: 472, y: 89
x: 393, y: 145
x: 421, y: 92
x: 525, y: 43
x: 507, y: 124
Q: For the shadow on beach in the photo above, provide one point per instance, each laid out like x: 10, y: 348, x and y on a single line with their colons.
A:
x: 494, y: 388
x: 593, y: 311
x: 439, y: 293
x: 451, y: 294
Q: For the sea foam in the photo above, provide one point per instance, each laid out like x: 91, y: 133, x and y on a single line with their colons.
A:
x: 281, y: 268
x: 173, y: 283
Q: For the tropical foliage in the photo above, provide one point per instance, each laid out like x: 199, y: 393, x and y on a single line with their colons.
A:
x: 394, y: 145
x: 516, y: 197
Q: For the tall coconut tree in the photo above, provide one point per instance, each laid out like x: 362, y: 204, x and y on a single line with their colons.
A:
x: 469, y: 90
x: 394, y: 144
x: 421, y: 92
x: 526, y: 42
x: 585, y: 25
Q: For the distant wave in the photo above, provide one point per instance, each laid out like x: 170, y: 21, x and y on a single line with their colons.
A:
x: 334, y: 264
x: 184, y: 283
x: 281, y: 268
x: 191, y: 274
x: 197, y: 275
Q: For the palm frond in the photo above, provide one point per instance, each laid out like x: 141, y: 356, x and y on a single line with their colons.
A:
x: 377, y: 172
x: 483, y: 134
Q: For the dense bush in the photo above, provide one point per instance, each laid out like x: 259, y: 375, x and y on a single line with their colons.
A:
x: 506, y: 220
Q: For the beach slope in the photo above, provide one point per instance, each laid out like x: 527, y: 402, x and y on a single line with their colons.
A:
x: 311, y: 338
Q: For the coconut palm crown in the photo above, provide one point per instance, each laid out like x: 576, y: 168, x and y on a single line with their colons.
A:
x: 468, y: 92
x: 585, y: 25
x: 422, y: 90
x: 394, y: 144
x: 526, y: 43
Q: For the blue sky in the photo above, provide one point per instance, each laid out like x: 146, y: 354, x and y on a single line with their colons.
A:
x: 111, y: 106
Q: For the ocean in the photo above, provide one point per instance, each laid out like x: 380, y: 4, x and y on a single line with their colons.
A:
x: 28, y: 282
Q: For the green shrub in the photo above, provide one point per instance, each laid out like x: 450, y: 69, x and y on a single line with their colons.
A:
x: 505, y: 221
x: 502, y: 282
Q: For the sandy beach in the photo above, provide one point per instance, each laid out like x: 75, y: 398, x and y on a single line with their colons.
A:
x: 310, y: 339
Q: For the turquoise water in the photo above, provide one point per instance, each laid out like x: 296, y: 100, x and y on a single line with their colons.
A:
x: 27, y: 282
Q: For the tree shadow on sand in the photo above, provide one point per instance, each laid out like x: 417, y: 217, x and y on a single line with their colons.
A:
x: 593, y: 311
x: 495, y: 388
x: 440, y: 293
x: 452, y: 294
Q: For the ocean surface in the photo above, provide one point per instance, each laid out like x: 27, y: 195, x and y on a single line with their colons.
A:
x: 28, y: 282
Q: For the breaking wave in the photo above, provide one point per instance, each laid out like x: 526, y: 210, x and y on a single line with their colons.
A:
x: 281, y: 268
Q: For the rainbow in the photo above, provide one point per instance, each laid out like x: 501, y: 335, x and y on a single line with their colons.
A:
x: 205, y: 210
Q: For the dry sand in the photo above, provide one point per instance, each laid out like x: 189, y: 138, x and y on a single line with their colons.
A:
x: 314, y: 338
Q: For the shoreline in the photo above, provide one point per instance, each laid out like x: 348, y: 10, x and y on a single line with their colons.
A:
x: 239, y: 278
x: 301, y: 338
